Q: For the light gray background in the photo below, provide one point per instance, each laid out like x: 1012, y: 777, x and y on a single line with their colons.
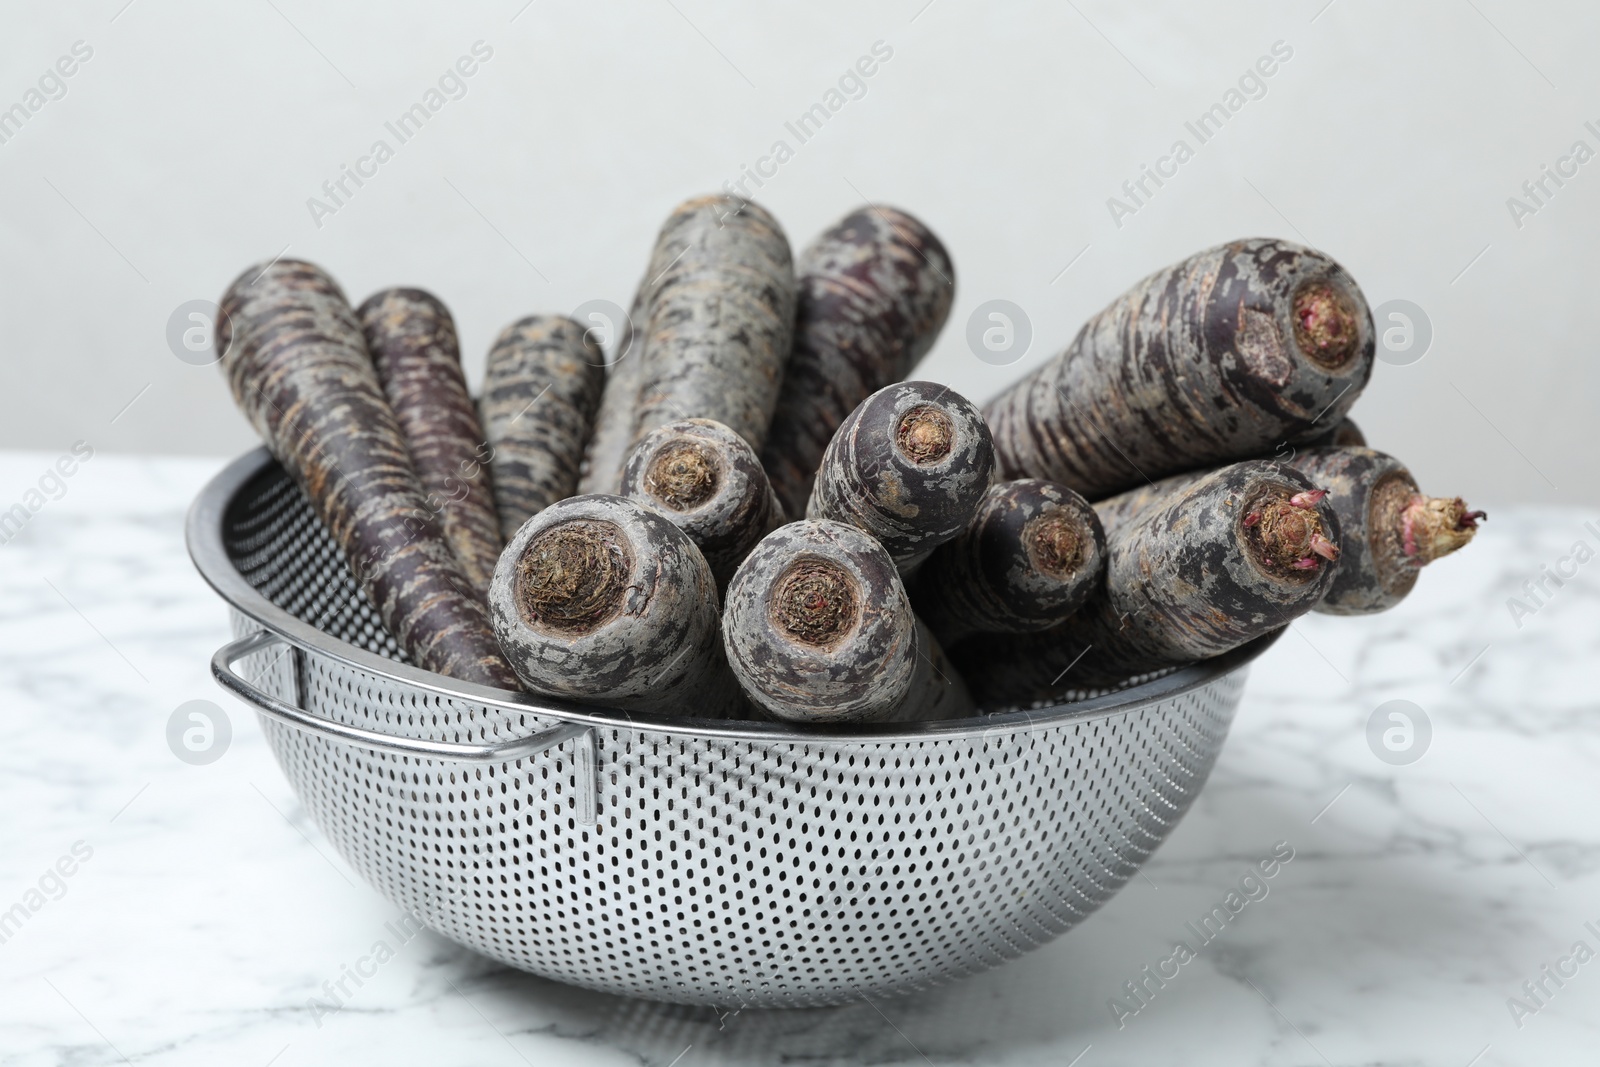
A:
x: 186, y: 148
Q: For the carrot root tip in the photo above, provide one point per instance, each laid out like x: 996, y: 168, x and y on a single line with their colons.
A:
x: 1433, y: 526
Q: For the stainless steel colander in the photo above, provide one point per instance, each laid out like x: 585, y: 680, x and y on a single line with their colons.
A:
x: 703, y: 862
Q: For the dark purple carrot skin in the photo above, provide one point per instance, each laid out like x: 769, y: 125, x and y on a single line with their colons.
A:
x: 874, y: 291
x: 412, y: 340
x: 818, y: 629
x: 601, y: 599
x: 607, y: 447
x: 707, y: 481
x: 1391, y: 530
x: 1032, y: 555
x: 298, y: 366
x: 1218, y: 358
x: 721, y: 313
x: 1235, y: 555
x: 541, y: 390
x: 909, y: 466
x: 1115, y: 511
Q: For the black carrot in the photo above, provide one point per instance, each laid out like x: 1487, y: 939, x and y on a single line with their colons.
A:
x: 720, y: 315
x: 874, y: 290
x: 1391, y: 530
x: 908, y: 466
x: 818, y: 629
x: 412, y: 340
x: 1032, y: 555
x: 706, y: 480
x: 298, y: 366
x: 599, y: 598
x: 1218, y: 358
x: 540, y: 392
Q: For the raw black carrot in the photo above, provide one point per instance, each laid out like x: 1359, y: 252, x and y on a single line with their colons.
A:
x: 1237, y: 554
x: 607, y: 447
x: 908, y: 466
x: 601, y: 599
x: 540, y: 393
x: 1217, y: 358
x: 1391, y: 530
x: 720, y: 316
x: 1031, y: 556
x: 298, y: 367
x: 707, y: 481
x: 412, y: 340
x: 1115, y: 511
x: 874, y: 290
x: 818, y: 629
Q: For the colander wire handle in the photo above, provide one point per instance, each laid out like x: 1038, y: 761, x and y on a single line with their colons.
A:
x: 300, y: 719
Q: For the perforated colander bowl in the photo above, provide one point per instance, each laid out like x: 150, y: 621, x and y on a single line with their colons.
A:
x: 688, y: 860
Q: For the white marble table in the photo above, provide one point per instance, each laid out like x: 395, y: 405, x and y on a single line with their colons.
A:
x: 209, y: 911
